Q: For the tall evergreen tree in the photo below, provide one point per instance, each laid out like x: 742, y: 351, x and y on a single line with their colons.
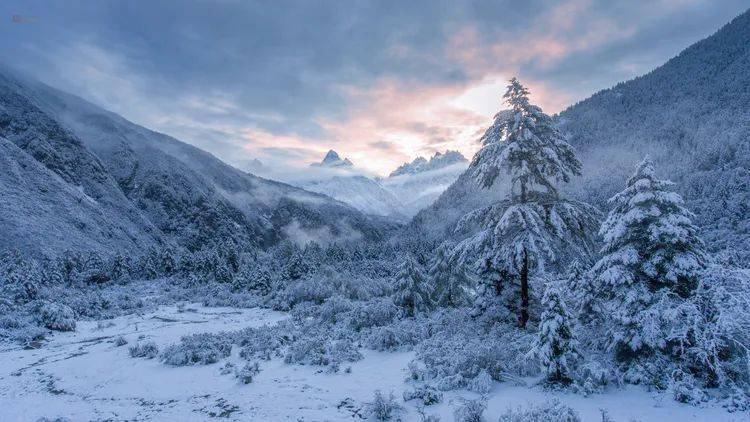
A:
x: 412, y: 289
x: 651, y: 256
x: 524, y: 143
x: 534, y: 226
x: 556, y: 347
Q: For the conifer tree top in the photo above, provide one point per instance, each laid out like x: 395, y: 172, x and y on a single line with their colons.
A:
x: 524, y: 142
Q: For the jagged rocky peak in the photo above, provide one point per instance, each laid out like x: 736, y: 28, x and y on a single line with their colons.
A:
x: 332, y: 159
x: 421, y: 164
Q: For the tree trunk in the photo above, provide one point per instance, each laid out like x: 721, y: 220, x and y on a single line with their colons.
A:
x: 524, y: 311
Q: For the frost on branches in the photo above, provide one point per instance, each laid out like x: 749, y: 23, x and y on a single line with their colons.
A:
x: 412, y: 290
x: 556, y: 346
x: 534, y: 227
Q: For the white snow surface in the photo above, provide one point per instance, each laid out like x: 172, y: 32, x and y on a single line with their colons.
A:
x: 82, y: 375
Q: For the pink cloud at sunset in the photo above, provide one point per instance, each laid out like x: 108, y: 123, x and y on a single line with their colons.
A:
x: 379, y: 82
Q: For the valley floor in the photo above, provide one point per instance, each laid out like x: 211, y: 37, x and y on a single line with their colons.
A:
x: 83, y: 375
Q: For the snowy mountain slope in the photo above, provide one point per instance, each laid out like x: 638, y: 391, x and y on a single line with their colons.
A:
x: 187, y: 194
x: 692, y: 115
x: 419, y: 188
x: 41, y: 212
x: 338, y: 178
x: 55, y: 191
x: 361, y: 192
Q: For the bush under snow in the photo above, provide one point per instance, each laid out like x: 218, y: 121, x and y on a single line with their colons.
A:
x: 57, y: 317
x: 553, y: 411
x: 198, y: 349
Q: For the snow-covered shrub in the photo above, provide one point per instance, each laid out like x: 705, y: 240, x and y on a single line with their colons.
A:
x: 57, y: 317
x: 471, y: 411
x: 685, y: 389
x: 592, y: 376
x: 120, y: 341
x: 94, y: 270
x: 246, y: 374
x: 402, y: 333
x: 424, y: 417
x: 303, y: 290
x: 463, y: 349
x: 344, y: 350
x: 335, y: 309
x: 260, y: 342
x: 382, y: 407
x: 321, y: 349
x: 482, y: 383
x: 20, y: 328
x: 57, y: 419
x: 425, y: 394
x: 145, y: 349
x: 382, y: 339
x: 552, y: 411
x: 375, y: 313
x: 198, y: 349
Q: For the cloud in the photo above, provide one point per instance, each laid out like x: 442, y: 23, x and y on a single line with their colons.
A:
x: 379, y: 81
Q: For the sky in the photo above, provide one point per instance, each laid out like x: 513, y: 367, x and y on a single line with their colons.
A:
x: 381, y: 82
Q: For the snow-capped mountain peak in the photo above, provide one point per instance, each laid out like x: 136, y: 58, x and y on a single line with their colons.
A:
x: 333, y: 160
x: 421, y: 164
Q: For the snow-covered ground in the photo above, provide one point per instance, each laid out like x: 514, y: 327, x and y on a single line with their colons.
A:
x: 85, y: 376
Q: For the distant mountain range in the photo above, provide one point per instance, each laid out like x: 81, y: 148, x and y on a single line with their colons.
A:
x: 407, y: 190
x: 691, y: 115
x: 76, y: 176
x: 438, y: 161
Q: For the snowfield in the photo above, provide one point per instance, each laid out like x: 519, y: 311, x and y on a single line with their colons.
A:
x: 84, y: 375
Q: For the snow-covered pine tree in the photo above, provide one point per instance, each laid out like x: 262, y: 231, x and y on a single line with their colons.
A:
x: 412, y: 289
x: 449, y: 279
x: 253, y: 277
x: 525, y: 143
x: 556, y: 346
x: 534, y: 226
x: 296, y: 267
x: 651, y: 255
x: 580, y: 291
x: 167, y: 261
x: 119, y: 267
